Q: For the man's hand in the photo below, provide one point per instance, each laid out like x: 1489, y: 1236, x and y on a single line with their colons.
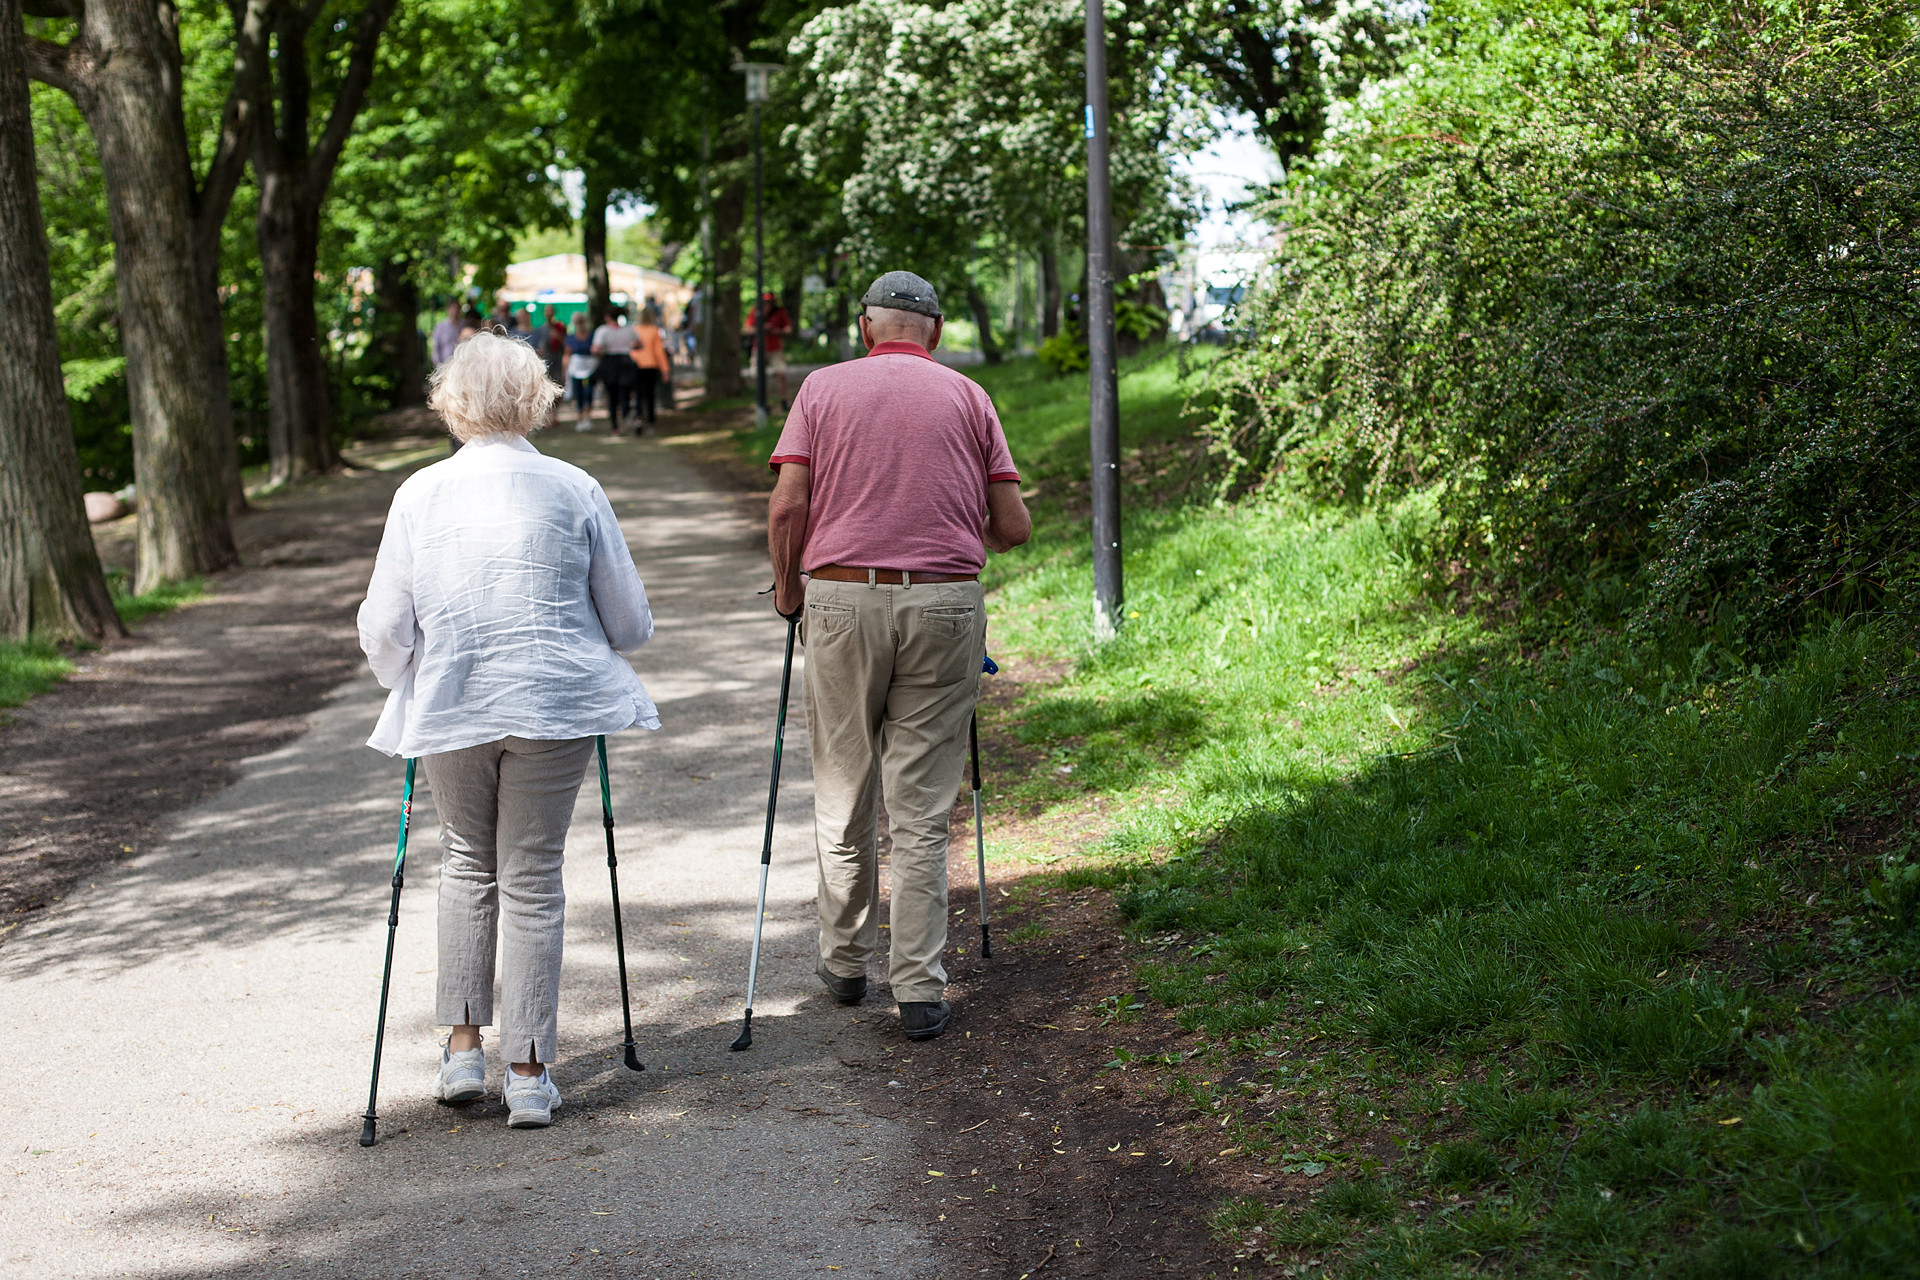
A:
x: 1008, y: 524
x: 787, y: 535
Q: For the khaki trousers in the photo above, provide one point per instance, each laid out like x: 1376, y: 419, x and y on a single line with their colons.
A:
x: 891, y: 678
x: 504, y: 812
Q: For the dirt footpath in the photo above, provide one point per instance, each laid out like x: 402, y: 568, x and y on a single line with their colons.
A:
x: 206, y: 1006
x: 205, y: 998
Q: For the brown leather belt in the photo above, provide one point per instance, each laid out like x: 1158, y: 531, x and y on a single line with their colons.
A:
x: 885, y: 577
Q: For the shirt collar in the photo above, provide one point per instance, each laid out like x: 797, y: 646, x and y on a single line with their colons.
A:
x: 504, y: 439
x: 900, y: 347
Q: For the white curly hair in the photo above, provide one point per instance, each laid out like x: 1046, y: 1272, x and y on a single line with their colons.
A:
x: 493, y: 385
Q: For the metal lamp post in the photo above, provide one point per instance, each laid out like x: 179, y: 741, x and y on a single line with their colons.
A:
x: 758, y: 74
x: 1103, y: 389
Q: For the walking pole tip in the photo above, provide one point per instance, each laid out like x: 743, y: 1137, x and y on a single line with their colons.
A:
x: 633, y: 1058
x: 745, y: 1038
x: 367, y: 1137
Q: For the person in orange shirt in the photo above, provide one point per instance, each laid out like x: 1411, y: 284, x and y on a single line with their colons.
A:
x: 651, y: 360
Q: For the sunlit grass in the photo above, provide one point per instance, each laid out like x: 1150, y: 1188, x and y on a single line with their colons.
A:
x: 168, y: 595
x: 29, y: 667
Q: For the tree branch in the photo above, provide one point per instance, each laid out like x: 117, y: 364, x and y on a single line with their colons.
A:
x: 50, y: 63
x: 353, y: 92
x: 252, y: 22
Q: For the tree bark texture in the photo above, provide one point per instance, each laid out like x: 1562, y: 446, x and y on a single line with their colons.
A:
x: 723, y: 361
x: 983, y: 321
x: 294, y: 171
x: 50, y: 580
x: 593, y: 244
x: 299, y: 401
x: 396, y: 302
x: 122, y: 70
x: 1049, y: 291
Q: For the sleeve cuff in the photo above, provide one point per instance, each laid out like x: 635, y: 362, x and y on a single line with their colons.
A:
x: 773, y: 463
x: 993, y: 476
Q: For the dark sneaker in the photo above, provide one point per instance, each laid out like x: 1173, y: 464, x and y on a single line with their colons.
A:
x: 845, y: 990
x: 923, y: 1019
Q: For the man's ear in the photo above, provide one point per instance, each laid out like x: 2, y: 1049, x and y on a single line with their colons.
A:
x: 939, y: 324
x: 866, y: 332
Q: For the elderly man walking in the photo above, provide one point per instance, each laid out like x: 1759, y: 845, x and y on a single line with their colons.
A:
x: 894, y: 482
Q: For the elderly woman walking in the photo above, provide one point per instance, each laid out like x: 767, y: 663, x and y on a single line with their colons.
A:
x: 502, y: 600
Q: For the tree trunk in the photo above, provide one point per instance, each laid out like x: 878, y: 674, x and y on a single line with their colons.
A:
x: 299, y: 409
x: 50, y: 581
x: 293, y: 171
x: 213, y: 328
x: 983, y: 321
x: 723, y: 364
x: 593, y: 243
x: 132, y: 103
x: 396, y: 316
x: 1049, y: 291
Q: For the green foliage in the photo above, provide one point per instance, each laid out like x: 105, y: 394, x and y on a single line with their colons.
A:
x: 29, y: 667
x: 1620, y: 286
x: 1582, y: 919
x: 1065, y: 352
x: 944, y: 127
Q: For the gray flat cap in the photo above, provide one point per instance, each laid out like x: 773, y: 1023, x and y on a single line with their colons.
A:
x: 902, y: 291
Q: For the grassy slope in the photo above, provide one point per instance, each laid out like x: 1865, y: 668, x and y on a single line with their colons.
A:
x: 1591, y: 958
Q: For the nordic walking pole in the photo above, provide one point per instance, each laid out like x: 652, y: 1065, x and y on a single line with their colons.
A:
x: 987, y: 667
x: 368, y: 1121
x: 745, y: 1039
x: 613, y: 878
x: 979, y: 838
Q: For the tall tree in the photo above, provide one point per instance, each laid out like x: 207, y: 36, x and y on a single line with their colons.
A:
x: 121, y: 65
x: 50, y: 580
x: 294, y: 170
x: 448, y: 160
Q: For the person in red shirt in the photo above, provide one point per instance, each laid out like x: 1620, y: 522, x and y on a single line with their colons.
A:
x: 894, y: 483
x: 779, y: 326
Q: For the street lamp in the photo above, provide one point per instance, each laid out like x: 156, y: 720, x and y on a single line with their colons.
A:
x: 1103, y: 383
x: 758, y: 74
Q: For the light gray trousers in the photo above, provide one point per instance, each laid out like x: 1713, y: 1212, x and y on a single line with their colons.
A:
x: 504, y: 812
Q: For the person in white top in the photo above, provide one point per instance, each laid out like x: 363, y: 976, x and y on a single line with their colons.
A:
x: 613, y: 343
x: 500, y: 605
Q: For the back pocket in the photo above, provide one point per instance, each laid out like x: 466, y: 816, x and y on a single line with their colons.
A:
x: 955, y: 622
x: 828, y: 619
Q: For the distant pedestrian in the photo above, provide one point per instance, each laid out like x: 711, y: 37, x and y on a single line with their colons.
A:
x: 779, y: 325
x: 581, y: 363
x: 502, y: 599
x: 523, y: 329
x: 651, y: 365
x: 894, y: 483
x: 553, y: 347
x: 613, y: 343
x: 446, y: 334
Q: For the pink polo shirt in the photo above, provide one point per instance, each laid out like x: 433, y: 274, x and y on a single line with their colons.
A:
x: 900, y: 450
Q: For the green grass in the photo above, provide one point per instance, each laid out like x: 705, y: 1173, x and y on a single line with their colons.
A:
x: 1606, y: 942
x: 166, y: 596
x: 29, y: 667
x: 32, y: 667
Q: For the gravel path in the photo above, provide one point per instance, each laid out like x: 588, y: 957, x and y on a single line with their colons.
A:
x: 191, y: 1030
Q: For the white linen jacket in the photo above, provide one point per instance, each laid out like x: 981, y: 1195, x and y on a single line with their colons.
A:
x: 502, y: 599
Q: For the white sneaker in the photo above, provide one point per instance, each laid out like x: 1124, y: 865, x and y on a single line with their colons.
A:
x: 463, y: 1075
x: 531, y: 1100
